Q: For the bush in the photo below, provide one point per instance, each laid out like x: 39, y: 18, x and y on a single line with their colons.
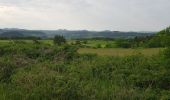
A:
x: 98, y: 46
x: 108, y: 45
x: 123, y: 44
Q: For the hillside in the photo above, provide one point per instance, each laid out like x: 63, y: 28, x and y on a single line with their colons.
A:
x: 96, y: 34
x: 78, y: 34
x: 11, y: 33
x: 165, y: 31
x: 161, y: 39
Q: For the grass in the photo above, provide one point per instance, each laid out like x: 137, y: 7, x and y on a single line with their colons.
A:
x: 94, y: 43
x: 90, y: 43
x: 119, y: 51
x: 102, y: 51
x: 37, y: 71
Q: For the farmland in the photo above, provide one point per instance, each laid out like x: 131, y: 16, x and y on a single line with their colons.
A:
x: 120, y: 51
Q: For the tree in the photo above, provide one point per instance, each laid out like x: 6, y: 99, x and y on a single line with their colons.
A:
x: 85, y: 41
x: 36, y: 41
x: 99, y: 46
x: 78, y: 42
x: 108, y: 45
x: 124, y: 43
x: 59, y: 40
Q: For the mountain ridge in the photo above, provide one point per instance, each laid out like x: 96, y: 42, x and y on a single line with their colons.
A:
x: 72, y: 34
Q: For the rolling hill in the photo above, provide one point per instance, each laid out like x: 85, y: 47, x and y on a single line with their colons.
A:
x: 77, y: 34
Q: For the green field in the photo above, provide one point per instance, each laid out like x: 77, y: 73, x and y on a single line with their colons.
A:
x: 101, y: 51
x: 119, y: 51
x: 95, y: 43
x: 102, y: 43
x: 90, y: 43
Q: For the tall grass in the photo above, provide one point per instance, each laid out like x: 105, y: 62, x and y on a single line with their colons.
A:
x: 120, y: 51
x: 31, y: 71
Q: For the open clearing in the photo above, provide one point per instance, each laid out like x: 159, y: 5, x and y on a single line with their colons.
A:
x: 119, y: 51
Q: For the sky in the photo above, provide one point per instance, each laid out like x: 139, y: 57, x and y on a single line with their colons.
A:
x: 116, y: 15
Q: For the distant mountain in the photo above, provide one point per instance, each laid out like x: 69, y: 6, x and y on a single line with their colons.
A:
x: 77, y: 34
x: 10, y: 33
x: 96, y: 34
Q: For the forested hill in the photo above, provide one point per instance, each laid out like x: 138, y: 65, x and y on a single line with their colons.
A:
x: 70, y: 34
x: 165, y: 32
x: 96, y: 34
x: 162, y: 39
x: 13, y: 33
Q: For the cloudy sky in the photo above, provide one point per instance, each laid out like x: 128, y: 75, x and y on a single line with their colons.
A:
x: 120, y: 15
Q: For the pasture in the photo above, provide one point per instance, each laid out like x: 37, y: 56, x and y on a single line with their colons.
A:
x: 120, y: 51
x: 100, y: 43
x: 95, y: 43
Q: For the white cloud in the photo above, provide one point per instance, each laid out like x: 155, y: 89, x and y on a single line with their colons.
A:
x: 122, y: 15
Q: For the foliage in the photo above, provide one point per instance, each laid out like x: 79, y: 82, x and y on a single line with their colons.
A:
x: 31, y: 71
x: 78, y: 42
x: 123, y: 43
x: 98, y: 46
x: 161, y: 39
x: 41, y: 71
x: 59, y: 40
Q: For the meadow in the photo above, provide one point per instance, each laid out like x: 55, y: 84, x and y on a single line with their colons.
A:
x: 93, y: 43
x: 100, y: 43
x: 120, y: 51
x: 41, y: 70
x: 91, y: 47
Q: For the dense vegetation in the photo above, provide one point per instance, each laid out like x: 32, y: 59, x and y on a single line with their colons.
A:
x: 59, y: 40
x: 39, y: 71
x: 162, y: 39
x: 44, y: 72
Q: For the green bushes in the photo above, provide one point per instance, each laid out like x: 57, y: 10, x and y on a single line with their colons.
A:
x: 41, y: 72
x: 123, y: 43
x: 6, y: 70
x: 59, y: 40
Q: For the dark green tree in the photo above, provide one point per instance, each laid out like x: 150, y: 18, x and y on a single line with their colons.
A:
x: 78, y: 42
x: 85, y: 41
x: 59, y: 40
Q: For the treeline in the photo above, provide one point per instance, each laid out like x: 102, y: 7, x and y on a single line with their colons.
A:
x: 96, y: 38
x: 21, y: 38
x: 161, y: 39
